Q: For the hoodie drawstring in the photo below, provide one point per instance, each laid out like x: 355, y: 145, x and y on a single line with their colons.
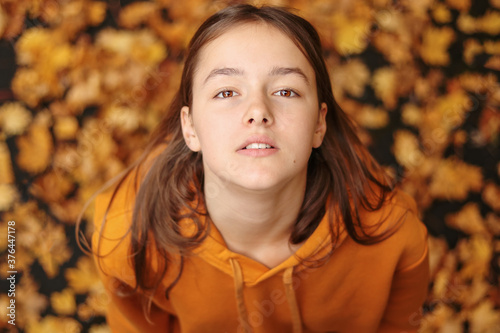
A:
x: 292, y: 300
x: 240, y: 302
x: 289, y: 291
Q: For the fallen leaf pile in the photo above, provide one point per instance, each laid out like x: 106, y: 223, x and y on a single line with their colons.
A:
x: 419, y: 78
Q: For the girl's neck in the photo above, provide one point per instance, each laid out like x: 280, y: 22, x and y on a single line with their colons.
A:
x: 257, y: 224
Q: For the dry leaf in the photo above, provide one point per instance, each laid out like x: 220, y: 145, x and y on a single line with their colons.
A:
x: 63, y: 303
x: 491, y: 195
x: 471, y: 48
x: 96, y: 304
x: 8, y: 195
x: 493, y: 63
x: 137, y: 13
x: 52, y: 186
x: 441, y: 13
x: 493, y: 224
x: 468, y: 220
x: 453, y: 179
x: 484, y: 318
x: 492, y: 47
x: 393, y: 48
x: 442, y: 317
x: 490, y: 23
x: 475, y: 254
x: 435, y: 43
x: 411, y: 115
x: 370, y: 117
x: 350, y: 34
x: 384, y: 83
x: 29, y: 302
x: 65, y: 127
x: 437, y: 251
x: 14, y: 118
x: 476, y: 292
x: 406, y: 149
x: 351, y: 77
x: 99, y: 329
x: 52, y: 248
x: 51, y: 324
x: 83, y: 278
x: 35, y: 149
x: 141, y: 46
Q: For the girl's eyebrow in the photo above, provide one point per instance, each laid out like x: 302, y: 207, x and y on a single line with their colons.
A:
x: 287, y: 71
x: 224, y: 71
x: 276, y: 71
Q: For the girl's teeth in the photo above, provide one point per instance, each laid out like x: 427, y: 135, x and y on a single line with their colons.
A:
x: 258, y: 146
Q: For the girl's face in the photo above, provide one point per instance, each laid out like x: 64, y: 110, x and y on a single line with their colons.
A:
x: 255, y: 114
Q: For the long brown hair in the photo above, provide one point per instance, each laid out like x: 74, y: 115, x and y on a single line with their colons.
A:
x: 342, y: 177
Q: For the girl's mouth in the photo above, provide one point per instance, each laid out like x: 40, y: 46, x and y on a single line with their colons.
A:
x: 258, y: 146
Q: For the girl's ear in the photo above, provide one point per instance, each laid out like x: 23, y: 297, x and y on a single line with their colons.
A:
x: 320, y: 131
x: 188, y: 130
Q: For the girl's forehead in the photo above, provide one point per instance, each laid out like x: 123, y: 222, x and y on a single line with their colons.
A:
x: 250, y: 43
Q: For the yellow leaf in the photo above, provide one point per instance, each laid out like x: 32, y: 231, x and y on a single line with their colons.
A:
x: 350, y: 34
x: 492, y: 47
x: 370, y: 117
x: 52, y: 248
x: 14, y: 118
x: 437, y: 250
x: 406, y: 149
x: 441, y: 13
x: 467, y: 24
x: 493, y: 63
x: 8, y: 195
x: 393, y: 48
x: 137, y: 13
x: 99, y: 329
x: 453, y: 179
x: 484, y: 318
x: 83, y: 278
x: 493, y: 223
x: 491, y: 195
x: 435, y: 43
x: 474, y: 293
x: 490, y: 23
x: 29, y: 302
x: 384, y: 83
x: 96, y: 12
x: 468, y: 220
x: 351, y: 77
x: 411, y: 115
x: 96, y: 304
x: 51, y: 324
x: 63, y: 302
x: 475, y: 254
x: 35, y: 149
x: 471, y: 48
x: 65, y: 127
x: 141, y: 46
x: 52, y: 186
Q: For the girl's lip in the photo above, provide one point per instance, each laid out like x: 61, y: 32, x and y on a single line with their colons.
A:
x: 258, y: 139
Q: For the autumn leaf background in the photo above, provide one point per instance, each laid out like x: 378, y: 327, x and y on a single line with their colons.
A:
x: 83, y: 83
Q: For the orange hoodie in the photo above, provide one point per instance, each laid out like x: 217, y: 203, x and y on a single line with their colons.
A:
x: 360, y: 289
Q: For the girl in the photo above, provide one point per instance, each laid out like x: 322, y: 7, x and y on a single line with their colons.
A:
x: 255, y: 207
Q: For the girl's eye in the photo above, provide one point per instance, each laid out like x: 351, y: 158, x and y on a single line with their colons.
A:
x: 226, y: 94
x: 286, y: 93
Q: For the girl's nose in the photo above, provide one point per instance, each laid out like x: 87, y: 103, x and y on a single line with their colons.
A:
x: 259, y: 113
